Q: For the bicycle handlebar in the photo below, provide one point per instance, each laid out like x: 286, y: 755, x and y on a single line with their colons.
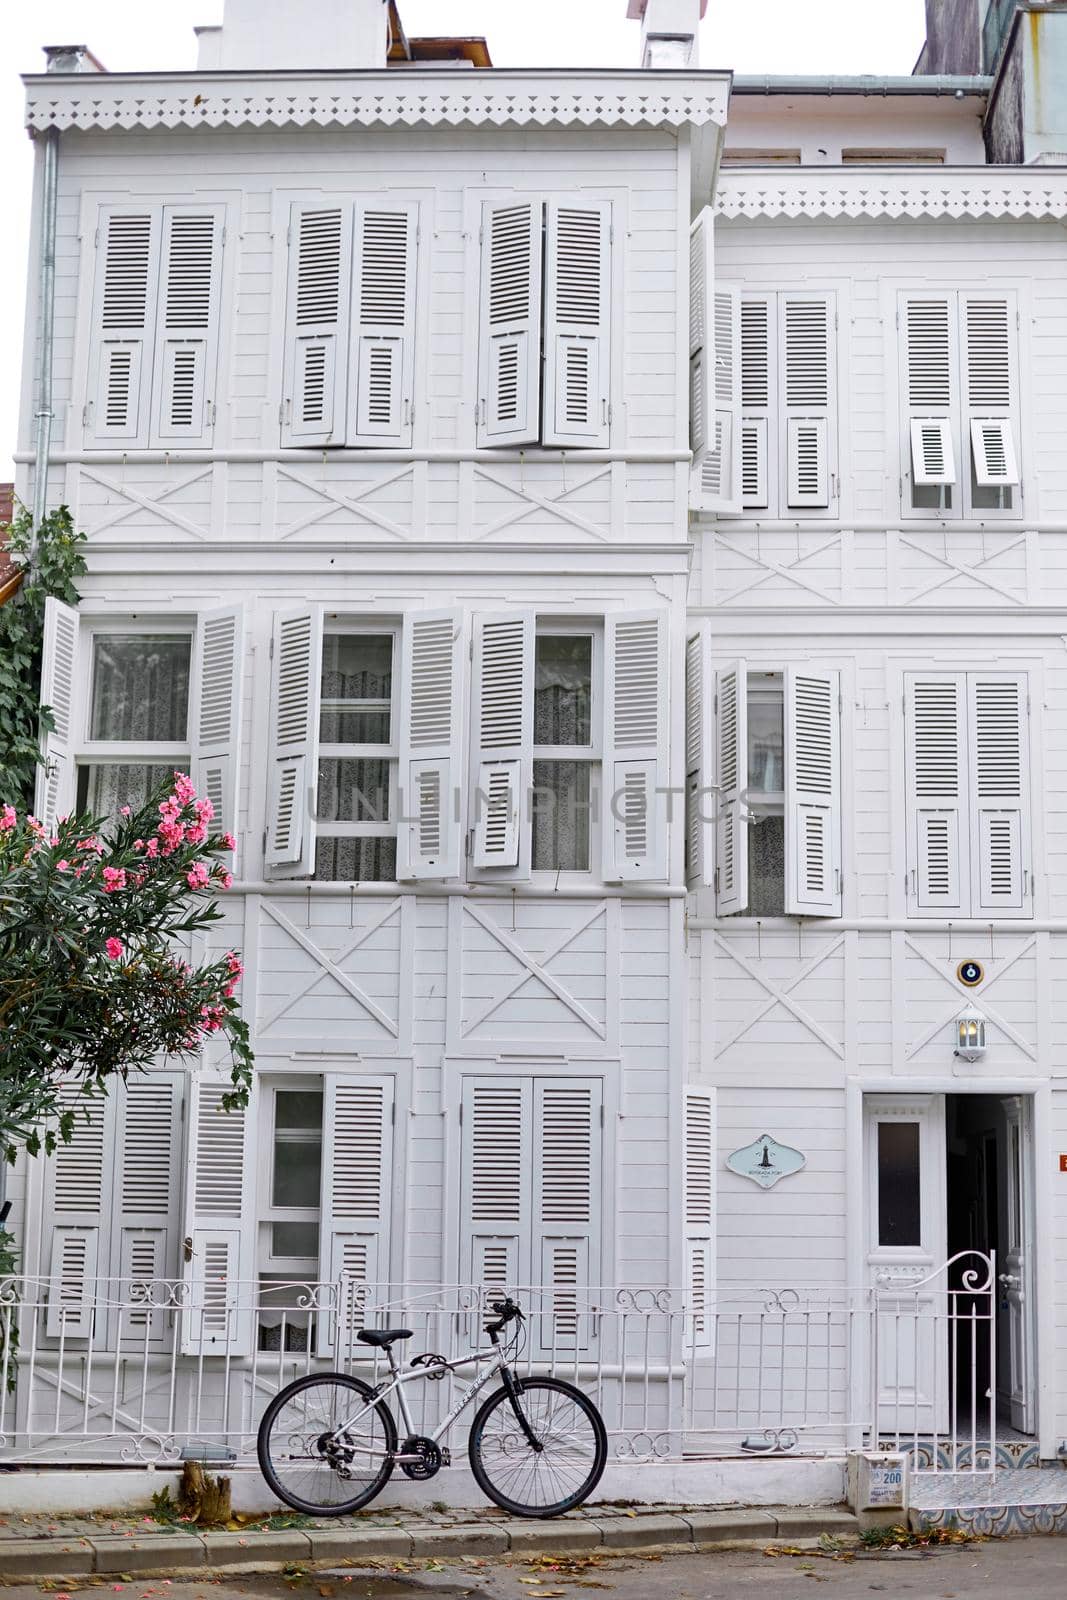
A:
x: 506, y: 1311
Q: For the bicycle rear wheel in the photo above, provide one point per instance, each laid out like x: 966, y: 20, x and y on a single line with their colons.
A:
x: 554, y: 1471
x: 304, y: 1466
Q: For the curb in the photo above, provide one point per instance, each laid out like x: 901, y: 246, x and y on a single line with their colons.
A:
x: 157, y: 1554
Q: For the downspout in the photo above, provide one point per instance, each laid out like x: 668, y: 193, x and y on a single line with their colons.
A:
x: 46, y: 295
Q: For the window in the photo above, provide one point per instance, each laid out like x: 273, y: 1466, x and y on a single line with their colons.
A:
x: 138, y: 717
x: 544, y: 359
x: 967, y: 742
x: 155, y: 326
x: 766, y: 796
x: 959, y: 405
x: 350, y: 323
x: 760, y: 158
x: 563, y: 752
x: 788, y: 403
x: 356, y: 794
x: 290, y: 1214
x: 906, y: 157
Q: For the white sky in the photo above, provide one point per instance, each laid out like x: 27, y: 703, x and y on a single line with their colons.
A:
x: 842, y: 36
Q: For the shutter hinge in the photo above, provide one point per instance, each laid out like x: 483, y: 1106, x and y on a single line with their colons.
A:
x: 85, y: 415
x: 264, y: 841
x: 461, y: 1113
x: 270, y: 653
x: 224, y: 233
x: 96, y: 238
x: 716, y: 880
x: 715, y: 702
x: 289, y: 235
x: 468, y: 844
x: 602, y: 1113
x: 392, y: 1113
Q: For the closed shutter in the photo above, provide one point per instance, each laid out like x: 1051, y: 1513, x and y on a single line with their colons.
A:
x: 503, y: 676
x: 147, y: 1167
x: 219, y: 1222
x: 930, y: 386
x: 813, y: 794
x: 731, y: 779
x: 935, y: 732
x: 566, y: 1208
x: 698, y: 1185
x: 807, y: 391
x: 59, y: 668
x: 430, y: 838
x: 701, y: 332
x: 77, y: 1197
x: 577, y: 323
x: 509, y: 357
x: 715, y: 483
x: 636, y: 719
x: 989, y: 387
x: 700, y: 799
x: 356, y: 1190
x: 296, y: 678
x: 316, y: 328
x: 383, y: 324
x: 497, y: 1162
x: 217, y: 723
x: 124, y: 319
x: 998, y: 711
x: 187, y: 339
x: 758, y: 384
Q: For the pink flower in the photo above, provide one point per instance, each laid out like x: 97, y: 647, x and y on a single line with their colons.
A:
x: 114, y: 879
x: 234, y: 963
x: 183, y: 788
x: 152, y: 848
x: 170, y: 810
x: 204, y: 809
x: 138, y: 844
x: 229, y: 842
x: 8, y: 818
x: 197, y: 875
x: 88, y: 844
x: 35, y: 827
x: 62, y: 866
x: 124, y: 811
x: 196, y: 833
x: 225, y: 878
x: 114, y: 949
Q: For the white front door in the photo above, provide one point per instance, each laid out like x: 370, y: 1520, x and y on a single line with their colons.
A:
x: 906, y: 1250
x: 1015, y: 1268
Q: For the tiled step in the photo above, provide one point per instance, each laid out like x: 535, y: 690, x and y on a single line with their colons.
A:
x: 1016, y: 1500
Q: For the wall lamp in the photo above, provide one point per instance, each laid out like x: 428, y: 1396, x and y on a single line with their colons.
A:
x: 970, y: 1035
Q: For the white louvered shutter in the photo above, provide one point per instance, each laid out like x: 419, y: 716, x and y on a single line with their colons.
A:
x: 701, y: 332
x: 987, y: 336
x: 566, y: 1209
x: 503, y: 731
x: 356, y: 1190
x: 636, y: 719
x: 217, y: 722
x: 433, y: 654
x: 698, y: 1181
x: 807, y: 393
x: 296, y: 679
x: 124, y: 320
x: 316, y: 329
x: 148, y: 1163
x: 383, y: 324
x: 577, y: 323
x: 496, y: 1181
x: 731, y: 778
x: 700, y: 798
x: 930, y: 388
x: 758, y: 386
x: 77, y: 1202
x: 217, y: 1245
x: 715, y: 481
x: 812, y: 794
x: 935, y: 722
x: 509, y: 359
x: 1000, y: 799
x: 186, y: 353
x: 59, y: 676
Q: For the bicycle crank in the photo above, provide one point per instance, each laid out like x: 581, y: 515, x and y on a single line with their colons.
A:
x: 431, y: 1458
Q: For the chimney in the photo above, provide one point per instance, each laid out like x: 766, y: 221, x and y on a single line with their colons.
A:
x: 670, y: 31
x: 265, y: 35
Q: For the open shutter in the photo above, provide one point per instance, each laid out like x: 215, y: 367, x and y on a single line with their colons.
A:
x: 637, y: 699
x: 989, y: 388
x: 296, y: 679
x: 701, y: 332
x: 316, y: 326
x: 497, y: 1162
x: 813, y: 794
x: 566, y: 1246
x: 700, y: 801
x: 731, y: 778
x: 217, y: 727
x: 929, y: 386
x: 124, y: 319
x: 59, y: 660
x: 758, y: 383
x: 147, y: 1168
x: 934, y: 733
x: 807, y: 391
x: 383, y: 324
x: 509, y: 357
x: 503, y: 675
x: 430, y: 839
x: 698, y: 1180
x: 219, y: 1212
x: 577, y: 323
x: 77, y: 1195
x: 187, y: 339
x: 1000, y: 802
x: 715, y: 482
x: 356, y: 1189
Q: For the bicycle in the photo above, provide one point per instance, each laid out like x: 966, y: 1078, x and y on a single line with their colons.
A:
x: 531, y: 1439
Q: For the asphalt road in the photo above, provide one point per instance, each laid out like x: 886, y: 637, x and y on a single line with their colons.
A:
x: 1026, y: 1569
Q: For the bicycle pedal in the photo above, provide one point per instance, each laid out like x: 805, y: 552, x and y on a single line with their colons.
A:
x: 446, y: 1457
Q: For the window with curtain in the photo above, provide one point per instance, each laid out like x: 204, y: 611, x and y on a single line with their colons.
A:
x: 290, y: 1213
x: 565, y: 751
x: 766, y: 796
x: 137, y: 722
x: 356, y: 808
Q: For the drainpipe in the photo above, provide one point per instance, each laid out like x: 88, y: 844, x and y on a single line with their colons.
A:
x: 45, y: 327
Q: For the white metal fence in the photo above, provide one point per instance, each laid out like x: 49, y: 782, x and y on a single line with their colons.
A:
x: 149, y: 1371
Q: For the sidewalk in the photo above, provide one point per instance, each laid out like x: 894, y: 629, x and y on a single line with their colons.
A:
x: 35, y: 1546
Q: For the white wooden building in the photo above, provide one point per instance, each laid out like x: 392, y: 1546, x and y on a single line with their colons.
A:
x: 474, y: 464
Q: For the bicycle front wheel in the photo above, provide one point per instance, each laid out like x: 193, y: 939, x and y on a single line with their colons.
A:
x: 553, y: 1467
x: 310, y: 1469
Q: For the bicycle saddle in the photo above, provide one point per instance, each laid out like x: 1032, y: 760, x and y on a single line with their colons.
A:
x: 382, y: 1337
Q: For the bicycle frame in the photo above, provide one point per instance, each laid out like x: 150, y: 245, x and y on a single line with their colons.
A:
x: 400, y: 1378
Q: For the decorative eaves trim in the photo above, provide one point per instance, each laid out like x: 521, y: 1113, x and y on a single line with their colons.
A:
x: 386, y: 99
x: 981, y: 192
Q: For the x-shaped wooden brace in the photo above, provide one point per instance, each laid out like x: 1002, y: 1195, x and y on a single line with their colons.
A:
x: 536, y: 502
x: 144, y: 502
x: 534, y: 967
x: 777, y: 569
x: 962, y: 569
x: 92, y: 1405
x: 992, y: 1016
x: 331, y: 966
x: 334, y: 500
x: 778, y: 994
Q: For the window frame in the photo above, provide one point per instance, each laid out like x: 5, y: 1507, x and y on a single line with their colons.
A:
x: 266, y: 1211
x: 356, y: 627
x: 591, y: 754
x: 776, y: 417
